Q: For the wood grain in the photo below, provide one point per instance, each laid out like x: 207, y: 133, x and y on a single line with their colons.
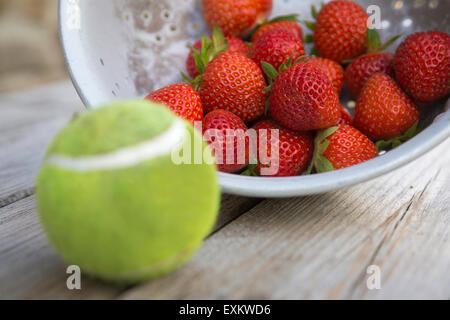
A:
x: 320, y: 246
x: 29, y: 268
x: 27, y: 124
x: 312, y: 247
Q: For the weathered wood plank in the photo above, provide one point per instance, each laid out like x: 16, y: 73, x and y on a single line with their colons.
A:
x: 28, y: 122
x: 30, y: 268
x: 414, y: 252
x: 321, y: 246
x: 312, y: 247
x: 28, y: 263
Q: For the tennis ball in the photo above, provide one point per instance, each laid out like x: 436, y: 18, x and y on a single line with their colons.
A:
x: 113, y: 202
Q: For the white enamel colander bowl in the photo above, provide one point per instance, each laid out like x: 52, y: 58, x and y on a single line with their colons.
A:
x: 121, y: 49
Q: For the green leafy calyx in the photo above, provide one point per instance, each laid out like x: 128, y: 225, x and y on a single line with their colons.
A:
x: 374, y: 43
x: 319, y: 163
x: 251, y: 171
x: 289, y: 18
x: 211, y: 48
x: 386, y: 145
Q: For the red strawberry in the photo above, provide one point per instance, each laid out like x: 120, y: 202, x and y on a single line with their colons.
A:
x: 383, y: 110
x: 342, y: 147
x: 220, y: 127
x: 345, y: 118
x: 295, y: 150
x: 304, y: 99
x: 236, y: 17
x: 289, y: 26
x: 235, y: 83
x: 340, y: 32
x: 364, y: 67
x: 276, y: 47
x: 422, y: 66
x: 333, y: 69
x: 234, y: 45
x: 182, y: 99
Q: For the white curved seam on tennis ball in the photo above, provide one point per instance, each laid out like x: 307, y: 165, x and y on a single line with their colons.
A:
x: 127, y: 157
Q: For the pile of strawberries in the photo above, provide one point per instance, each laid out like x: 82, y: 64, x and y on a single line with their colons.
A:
x: 270, y: 83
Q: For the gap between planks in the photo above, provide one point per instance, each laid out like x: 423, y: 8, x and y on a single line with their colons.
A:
x: 30, y: 121
x: 31, y: 269
x: 320, y: 247
x: 312, y: 247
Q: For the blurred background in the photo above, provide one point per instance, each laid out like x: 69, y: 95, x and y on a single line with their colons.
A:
x: 30, y: 54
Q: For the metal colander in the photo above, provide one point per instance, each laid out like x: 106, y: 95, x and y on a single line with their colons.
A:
x: 120, y: 49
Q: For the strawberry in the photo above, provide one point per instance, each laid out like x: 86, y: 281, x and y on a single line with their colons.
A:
x: 276, y: 47
x: 340, y: 32
x: 219, y: 127
x: 364, y: 67
x: 383, y: 110
x: 303, y: 98
x: 345, y: 118
x: 295, y: 150
x: 290, y: 26
x: 234, y: 45
x: 341, y: 147
x: 333, y: 69
x: 235, y: 83
x: 182, y: 99
x: 422, y: 66
x: 236, y: 17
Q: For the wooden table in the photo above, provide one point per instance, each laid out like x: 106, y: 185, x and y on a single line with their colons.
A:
x: 311, y: 247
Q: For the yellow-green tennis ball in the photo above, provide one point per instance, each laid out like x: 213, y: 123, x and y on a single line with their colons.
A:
x: 114, y: 203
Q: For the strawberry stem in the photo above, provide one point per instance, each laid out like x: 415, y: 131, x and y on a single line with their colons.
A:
x: 373, y: 40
